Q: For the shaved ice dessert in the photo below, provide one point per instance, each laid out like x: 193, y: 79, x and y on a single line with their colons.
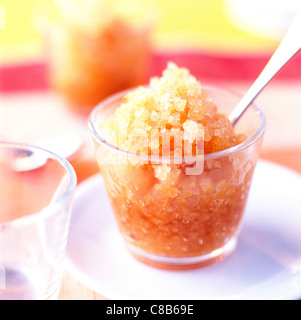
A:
x: 176, y: 171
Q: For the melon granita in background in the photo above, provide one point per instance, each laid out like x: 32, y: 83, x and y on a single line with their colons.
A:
x: 96, y: 50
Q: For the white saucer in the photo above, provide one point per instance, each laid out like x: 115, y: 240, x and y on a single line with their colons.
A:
x: 265, y: 265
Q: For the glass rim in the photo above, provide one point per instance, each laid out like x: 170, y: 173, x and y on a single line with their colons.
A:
x: 47, y: 210
x: 210, y: 156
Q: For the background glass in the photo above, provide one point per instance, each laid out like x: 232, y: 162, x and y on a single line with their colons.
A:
x: 36, y: 190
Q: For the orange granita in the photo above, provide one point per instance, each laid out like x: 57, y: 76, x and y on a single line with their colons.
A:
x: 175, y: 103
x: 96, y: 52
x: 162, y: 209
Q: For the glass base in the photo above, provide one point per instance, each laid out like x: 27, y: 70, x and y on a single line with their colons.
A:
x: 184, y: 263
x: 27, y: 285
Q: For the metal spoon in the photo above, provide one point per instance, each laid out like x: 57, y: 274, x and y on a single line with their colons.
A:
x: 289, y: 46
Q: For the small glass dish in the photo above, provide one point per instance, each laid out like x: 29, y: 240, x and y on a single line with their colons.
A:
x: 187, y: 222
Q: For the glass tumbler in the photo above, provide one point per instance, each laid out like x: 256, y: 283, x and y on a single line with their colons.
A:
x: 36, y: 190
x: 192, y: 217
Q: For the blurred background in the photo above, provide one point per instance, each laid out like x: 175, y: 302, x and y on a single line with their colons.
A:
x: 59, y: 58
x: 211, y: 25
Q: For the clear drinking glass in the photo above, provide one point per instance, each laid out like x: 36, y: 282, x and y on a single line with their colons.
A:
x: 193, y: 218
x: 36, y: 190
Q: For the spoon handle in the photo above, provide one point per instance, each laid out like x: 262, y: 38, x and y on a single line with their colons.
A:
x: 288, y: 47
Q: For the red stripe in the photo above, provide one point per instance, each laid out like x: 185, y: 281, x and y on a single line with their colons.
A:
x: 206, y: 66
x: 225, y: 67
x: 23, y: 77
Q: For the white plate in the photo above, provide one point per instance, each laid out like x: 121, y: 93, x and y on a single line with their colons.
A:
x: 265, y: 265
